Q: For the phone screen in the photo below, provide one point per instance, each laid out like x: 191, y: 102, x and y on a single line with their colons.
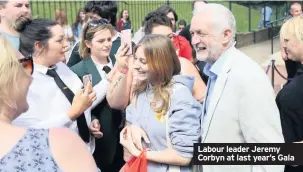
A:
x: 126, y: 38
x: 86, y: 79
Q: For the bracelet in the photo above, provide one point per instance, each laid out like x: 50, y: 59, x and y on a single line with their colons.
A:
x: 123, y: 71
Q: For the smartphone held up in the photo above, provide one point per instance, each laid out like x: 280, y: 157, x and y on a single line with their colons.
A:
x: 86, y: 79
x: 126, y: 38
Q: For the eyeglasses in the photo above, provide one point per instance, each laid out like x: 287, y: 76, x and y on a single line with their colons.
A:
x: 94, y: 23
x: 27, y: 63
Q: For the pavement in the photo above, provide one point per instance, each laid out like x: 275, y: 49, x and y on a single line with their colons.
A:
x: 261, y: 54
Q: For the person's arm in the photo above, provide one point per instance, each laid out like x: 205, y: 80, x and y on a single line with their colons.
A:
x: 70, y: 152
x: 199, y: 88
x: 118, y: 95
x: 70, y: 35
x: 82, y: 101
x: 258, y: 108
x: 259, y: 118
x: 127, y: 156
x: 120, y: 25
x: 100, y: 89
x: 183, y: 131
x: 119, y: 92
x: 35, y: 117
x: 58, y: 120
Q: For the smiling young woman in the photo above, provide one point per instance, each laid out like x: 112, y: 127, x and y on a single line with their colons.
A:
x: 157, y: 109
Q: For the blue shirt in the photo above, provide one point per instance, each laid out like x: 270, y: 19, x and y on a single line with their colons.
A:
x: 266, y: 14
x: 14, y: 40
x: 79, y: 29
x: 212, y: 71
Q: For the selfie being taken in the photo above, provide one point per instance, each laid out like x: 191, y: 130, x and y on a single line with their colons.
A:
x: 149, y: 86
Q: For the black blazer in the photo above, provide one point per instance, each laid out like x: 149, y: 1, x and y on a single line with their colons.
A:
x: 290, y: 103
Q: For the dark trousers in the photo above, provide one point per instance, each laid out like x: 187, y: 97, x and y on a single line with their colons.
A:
x: 117, y: 163
x: 109, y: 152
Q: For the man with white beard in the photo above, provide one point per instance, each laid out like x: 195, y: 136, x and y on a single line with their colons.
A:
x: 240, y: 103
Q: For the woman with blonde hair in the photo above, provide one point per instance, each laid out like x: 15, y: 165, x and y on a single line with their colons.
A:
x: 289, y: 99
x: 163, y: 107
x: 61, y: 19
x: 32, y: 149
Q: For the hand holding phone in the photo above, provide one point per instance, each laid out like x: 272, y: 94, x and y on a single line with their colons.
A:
x: 126, y: 38
x: 86, y: 79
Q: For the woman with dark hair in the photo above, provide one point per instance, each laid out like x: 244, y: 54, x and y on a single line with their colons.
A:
x: 32, y: 150
x: 170, y: 13
x: 163, y: 107
x: 124, y: 21
x: 79, y: 24
x: 56, y: 96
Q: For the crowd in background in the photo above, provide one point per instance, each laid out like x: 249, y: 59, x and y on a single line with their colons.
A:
x: 80, y: 98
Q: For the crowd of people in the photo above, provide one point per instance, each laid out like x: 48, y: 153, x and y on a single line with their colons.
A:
x: 100, y: 107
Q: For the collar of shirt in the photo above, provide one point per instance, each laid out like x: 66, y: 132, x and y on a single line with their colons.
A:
x: 213, y: 70
x: 100, y: 67
x: 109, y: 64
x: 42, y: 69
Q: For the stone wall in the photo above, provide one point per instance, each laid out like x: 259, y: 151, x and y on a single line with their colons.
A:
x: 248, y: 38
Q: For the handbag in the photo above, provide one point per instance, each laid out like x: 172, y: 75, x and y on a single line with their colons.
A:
x: 136, y: 164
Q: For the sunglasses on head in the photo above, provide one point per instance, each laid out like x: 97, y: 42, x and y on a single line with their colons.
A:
x: 95, y: 23
x: 27, y: 63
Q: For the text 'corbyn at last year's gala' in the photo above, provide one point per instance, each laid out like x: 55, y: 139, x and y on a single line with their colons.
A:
x: 248, y: 154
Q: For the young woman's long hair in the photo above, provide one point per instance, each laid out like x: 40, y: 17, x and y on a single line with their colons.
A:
x: 78, y: 19
x: 121, y: 15
x: 163, y: 63
x: 61, y: 17
x: 11, y: 72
